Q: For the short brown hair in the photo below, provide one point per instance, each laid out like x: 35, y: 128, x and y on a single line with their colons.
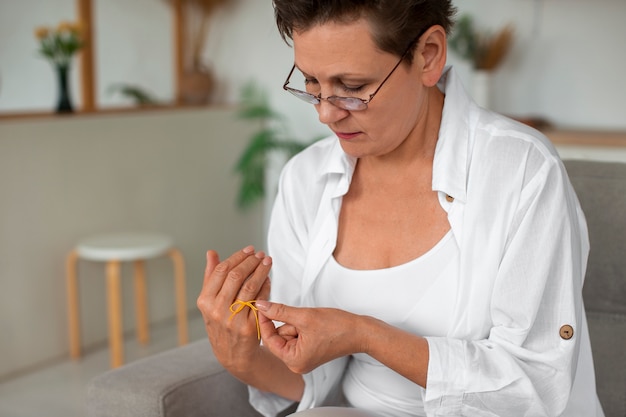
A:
x: 396, y: 24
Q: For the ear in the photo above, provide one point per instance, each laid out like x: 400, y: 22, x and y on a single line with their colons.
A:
x: 431, y: 54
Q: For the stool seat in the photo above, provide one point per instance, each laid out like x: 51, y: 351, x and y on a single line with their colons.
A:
x: 124, y: 246
x: 113, y: 249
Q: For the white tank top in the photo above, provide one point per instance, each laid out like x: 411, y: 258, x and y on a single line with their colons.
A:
x: 417, y: 297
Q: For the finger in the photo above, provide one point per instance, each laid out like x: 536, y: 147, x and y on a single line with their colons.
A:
x: 278, y: 312
x: 252, y: 287
x: 238, y: 276
x: 215, y: 274
x: 264, y: 293
x: 269, y: 334
x: 212, y: 259
x: 287, y: 332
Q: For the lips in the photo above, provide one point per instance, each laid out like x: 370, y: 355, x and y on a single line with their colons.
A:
x: 347, y: 136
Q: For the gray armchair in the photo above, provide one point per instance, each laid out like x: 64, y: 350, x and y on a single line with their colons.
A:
x: 189, y: 382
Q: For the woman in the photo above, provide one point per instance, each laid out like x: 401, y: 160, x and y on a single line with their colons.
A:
x: 427, y: 259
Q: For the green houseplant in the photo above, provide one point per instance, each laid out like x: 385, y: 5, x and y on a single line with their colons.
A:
x: 483, y: 50
x: 271, y: 137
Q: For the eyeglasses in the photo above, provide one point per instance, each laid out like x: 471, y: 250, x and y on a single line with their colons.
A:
x: 345, y: 103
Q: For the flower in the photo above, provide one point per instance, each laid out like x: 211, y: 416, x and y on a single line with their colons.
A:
x: 61, y: 43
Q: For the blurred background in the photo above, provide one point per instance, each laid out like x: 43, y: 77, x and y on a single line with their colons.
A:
x: 565, y: 64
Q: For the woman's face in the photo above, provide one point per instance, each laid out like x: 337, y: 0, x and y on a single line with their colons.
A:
x: 342, y: 60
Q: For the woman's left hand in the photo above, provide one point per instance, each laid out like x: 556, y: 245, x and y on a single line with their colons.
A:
x: 310, y: 337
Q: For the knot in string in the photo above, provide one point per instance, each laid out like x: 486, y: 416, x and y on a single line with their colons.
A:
x: 239, y: 305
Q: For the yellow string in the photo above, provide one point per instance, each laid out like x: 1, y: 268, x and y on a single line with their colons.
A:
x: 239, y: 305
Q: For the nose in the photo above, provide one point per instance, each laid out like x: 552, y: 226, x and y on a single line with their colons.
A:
x: 329, y: 113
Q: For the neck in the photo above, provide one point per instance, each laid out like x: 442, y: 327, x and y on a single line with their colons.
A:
x: 417, y: 151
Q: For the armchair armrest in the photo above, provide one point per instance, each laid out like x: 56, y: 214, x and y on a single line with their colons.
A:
x: 185, y: 381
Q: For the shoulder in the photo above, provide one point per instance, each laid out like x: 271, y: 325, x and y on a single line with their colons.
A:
x: 501, y: 134
x: 511, y: 150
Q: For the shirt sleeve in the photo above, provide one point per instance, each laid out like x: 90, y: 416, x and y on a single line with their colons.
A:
x: 526, y: 365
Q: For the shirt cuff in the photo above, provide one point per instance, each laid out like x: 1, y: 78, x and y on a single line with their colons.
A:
x: 443, y: 396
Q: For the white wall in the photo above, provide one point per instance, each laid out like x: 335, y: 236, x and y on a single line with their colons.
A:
x: 566, y: 66
x: 133, y: 45
x: 27, y: 81
x: 122, y: 25
x: 567, y: 63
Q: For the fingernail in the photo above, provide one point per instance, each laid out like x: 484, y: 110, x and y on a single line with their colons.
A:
x: 263, y: 305
x: 267, y: 261
x: 248, y: 250
x: 260, y: 254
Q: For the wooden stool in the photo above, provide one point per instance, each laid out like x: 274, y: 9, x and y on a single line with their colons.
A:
x: 114, y: 249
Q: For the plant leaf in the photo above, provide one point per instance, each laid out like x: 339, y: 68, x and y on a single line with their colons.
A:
x: 257, y: 147
x: 251, y: 165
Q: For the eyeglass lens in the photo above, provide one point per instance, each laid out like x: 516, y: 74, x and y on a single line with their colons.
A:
x: 310, y: 91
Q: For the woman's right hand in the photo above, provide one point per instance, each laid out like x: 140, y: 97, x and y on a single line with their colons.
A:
x: 243, y: 276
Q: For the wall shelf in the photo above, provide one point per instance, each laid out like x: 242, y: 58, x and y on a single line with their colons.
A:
x: 587, y: 137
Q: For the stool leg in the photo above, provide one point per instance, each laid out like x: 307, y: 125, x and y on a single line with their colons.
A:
x: 141, y: 305
x: 73, y: 309
x: 181, y: 303
x: 116, y: 341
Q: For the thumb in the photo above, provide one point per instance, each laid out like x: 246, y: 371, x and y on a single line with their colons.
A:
x: 275, y: 311
x: 275, y: 340
x: 212, y: 259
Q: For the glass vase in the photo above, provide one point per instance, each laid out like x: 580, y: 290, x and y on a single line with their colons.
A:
x: 481, y: 88
x: 64, y: 104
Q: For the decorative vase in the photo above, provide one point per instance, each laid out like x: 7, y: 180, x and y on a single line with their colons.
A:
x: 64, y: 104
x: 481, y: 88
x: 197, y: 86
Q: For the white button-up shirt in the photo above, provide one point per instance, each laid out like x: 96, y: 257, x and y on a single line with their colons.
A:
x: 523, y: 252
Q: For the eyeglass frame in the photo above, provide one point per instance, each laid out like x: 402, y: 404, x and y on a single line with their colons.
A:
x: 335, y: 100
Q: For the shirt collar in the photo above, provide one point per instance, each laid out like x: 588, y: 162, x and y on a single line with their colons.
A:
x: 451, y: 153
x: 340, y: 165
x: 337, y: 161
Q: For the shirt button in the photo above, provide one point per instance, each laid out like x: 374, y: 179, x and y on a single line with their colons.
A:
x: 566, y: 332
x: 449, y: 199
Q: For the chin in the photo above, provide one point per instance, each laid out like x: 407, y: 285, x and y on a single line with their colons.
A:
x: 357, y: 150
